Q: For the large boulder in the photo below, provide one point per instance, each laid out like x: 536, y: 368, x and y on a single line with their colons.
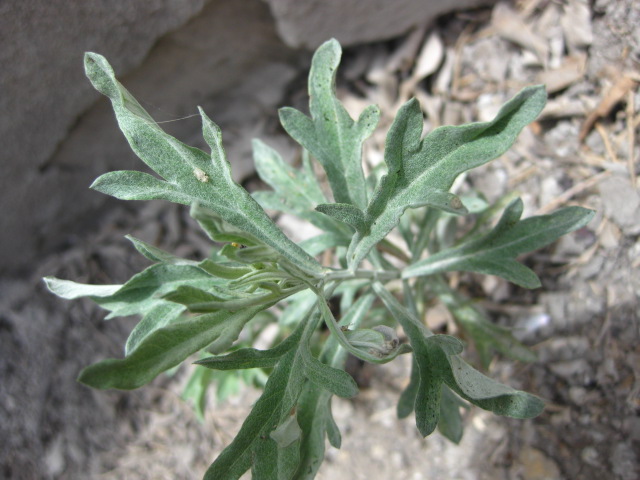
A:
x: 310, y: 22
x: 59, y: 134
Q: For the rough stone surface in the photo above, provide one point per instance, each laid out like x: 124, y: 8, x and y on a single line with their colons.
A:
x: 44, y: 91
x: 309, y: 23
x: 57, y: 146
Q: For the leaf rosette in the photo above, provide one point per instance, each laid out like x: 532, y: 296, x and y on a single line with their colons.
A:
x: 213, y: 310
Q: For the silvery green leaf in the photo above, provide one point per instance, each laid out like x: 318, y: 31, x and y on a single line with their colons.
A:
x: 317, y: 423
x: 271, y: 460
x: 299, y: 187
x: 161, y: 350
x: 314, y: 408
x: 217, y: 229
x: 253, y: 447
x: 159, y: 316
x: 345, y: 213
x: 421, y: 171
x: 438, y: 361
x: 156, y: 254
x: 331, y: 135
x: 287, y: 432
x: 216, y: 268
x: 232, y: 329
x: 188, y: 175
x: 274, y: 201
x: 250, y: 255
x: 494, y: 253
x: 275, y: 403
x: 407, y: 400
x: 334, y: 380
x: 221, y: 270
x: 198, y: 300
x: 72, y: 290
x: 144, y: 290
x: 450, y: 423
x: 141, y: 292
x: 252, y: 358
x: 295, y: 191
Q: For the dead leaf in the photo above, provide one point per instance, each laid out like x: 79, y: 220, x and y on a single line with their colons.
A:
x: 571, y: 71
x: 510, y: 26
x: 576, y: 24
x: 404, y: 56
x: 615, y: 95
x: 430, y: 57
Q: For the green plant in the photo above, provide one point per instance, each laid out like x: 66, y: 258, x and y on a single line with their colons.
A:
x: 256, y: 275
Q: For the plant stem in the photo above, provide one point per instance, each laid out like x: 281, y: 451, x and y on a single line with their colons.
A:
x: 375, y: 275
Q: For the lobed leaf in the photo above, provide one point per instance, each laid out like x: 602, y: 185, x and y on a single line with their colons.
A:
x: 162, y: 349
x: 295, y: 191
x: 188, y: 175
x: 140, y: 293
x: 421, y: 171
x: 331, y: 135
x: 314, y: 408
x: 438, y: 361
x: 280, y: 393
x: 253, y: 447
x: 494, y: 252
x: 253, y: 358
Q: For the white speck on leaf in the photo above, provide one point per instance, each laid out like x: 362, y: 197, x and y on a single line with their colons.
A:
x: 201, y: 175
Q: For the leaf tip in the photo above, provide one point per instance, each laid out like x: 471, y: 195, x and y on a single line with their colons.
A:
x: 49, y: 282
x: 210, y: 130
x: 101, y: 75
x: 332, y: 44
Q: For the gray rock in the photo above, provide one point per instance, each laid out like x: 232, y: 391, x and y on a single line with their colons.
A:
x: 621, y: 203
x: 310, y: 22
x: 45, y: 91
x: 59, y: 134
x: 625, y: 462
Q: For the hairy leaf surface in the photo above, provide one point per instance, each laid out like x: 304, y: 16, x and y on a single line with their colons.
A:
x: 163, y: 349
x: 438, y: 361
x: 421, y: 171
x: 189, y: 175
x: 331, y: 135
x: 494, y: 253
x: 295, y: 191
